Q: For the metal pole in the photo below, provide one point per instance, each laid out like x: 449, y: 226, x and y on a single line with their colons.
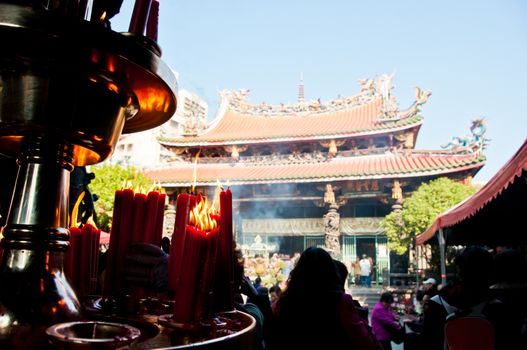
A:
x: 441, y: 238
x: 416, y: 264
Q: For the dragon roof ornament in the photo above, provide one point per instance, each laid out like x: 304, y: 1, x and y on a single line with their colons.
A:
x: 370, y: 90
x: 475, y: 143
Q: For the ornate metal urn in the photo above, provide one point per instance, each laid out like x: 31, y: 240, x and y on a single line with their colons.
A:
x: 68, y: 89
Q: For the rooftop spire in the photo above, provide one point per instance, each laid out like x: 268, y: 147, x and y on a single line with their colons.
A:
x: 301, y: 89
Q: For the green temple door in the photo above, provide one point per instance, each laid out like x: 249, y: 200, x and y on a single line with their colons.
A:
x: 374, y: 246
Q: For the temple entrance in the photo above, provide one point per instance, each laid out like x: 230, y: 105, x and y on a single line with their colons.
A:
x: 366, y: 245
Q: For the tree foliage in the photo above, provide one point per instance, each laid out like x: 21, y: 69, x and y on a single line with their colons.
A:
x: 108, y: 179
x: 420, y: 210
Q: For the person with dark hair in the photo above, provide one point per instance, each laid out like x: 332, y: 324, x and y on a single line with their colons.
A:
x: 257, y: 282
x: 165, y: 244
x: 342, y: 270
x: 274, y: 293
x: 510, y: 287
x: 313, y: 312
x: 343, y: 274
x: 384, y: 321
x: 468, y: 295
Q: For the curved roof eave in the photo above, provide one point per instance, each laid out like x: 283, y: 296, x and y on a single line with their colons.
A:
x: 402, y: 175
x: 387, y: 130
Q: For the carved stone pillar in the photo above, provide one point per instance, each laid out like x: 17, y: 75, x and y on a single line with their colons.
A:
x: 332, y: 231
x: 397, y: 196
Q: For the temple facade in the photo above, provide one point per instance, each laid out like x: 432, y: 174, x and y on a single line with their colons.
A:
x: 316, y: 173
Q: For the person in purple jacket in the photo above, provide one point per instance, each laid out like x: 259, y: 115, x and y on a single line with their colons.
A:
x: 384, y: 321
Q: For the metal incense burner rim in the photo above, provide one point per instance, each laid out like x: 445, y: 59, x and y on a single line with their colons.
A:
x: 92, y: 334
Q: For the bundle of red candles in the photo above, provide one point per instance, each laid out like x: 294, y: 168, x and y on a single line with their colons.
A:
x: 137, y: 217
x: 145, y: 14
x: 81, y: 261
x: 201, y: 258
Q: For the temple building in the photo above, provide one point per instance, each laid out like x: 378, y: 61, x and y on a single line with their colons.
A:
x: 316, y: 173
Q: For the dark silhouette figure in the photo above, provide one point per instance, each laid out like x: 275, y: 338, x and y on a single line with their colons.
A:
x: 79, y: 181
x: 343, y: 274
x: 469, y: 295
x: 165, y: 244
x: 510, y: 287
x: 314, y: 313
x: 342, y: 270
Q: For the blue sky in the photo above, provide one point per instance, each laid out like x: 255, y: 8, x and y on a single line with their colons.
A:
x: 471, y: 54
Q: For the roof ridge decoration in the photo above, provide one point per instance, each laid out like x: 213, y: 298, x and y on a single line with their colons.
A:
x: 387, y: 166
x: 370, y: 90
x: 470, y: 144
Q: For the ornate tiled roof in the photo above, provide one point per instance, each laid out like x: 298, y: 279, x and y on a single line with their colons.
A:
x: 390, y: 165
x: 372, y: 111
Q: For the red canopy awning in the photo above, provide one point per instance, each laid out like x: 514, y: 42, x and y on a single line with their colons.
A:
x: 486, y: 209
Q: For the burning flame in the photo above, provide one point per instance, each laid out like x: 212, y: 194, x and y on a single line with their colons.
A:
x: 202, y: 216
x: 195, y: 172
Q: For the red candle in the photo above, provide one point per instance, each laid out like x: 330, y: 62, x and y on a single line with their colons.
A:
x: 111, y: 263
x: 205, y: 297
x: 193, y: 249
x: 71, y: 263
x: 187, y: 289
x: 224, y: 281
x: 125, y: 233
x: 119, y: 241
x: 139, y: 16
x: 138, y: 217
x: 152, y: 201
x: 94, y: 258
x: 83, y: 260
x: 160, y: 217
x: 184, y: 203
x: 153, y: 19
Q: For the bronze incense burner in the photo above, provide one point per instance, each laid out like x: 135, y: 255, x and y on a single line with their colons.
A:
x: 68, y: 88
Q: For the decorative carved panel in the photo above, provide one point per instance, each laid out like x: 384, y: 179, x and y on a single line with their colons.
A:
x: 310, y: 226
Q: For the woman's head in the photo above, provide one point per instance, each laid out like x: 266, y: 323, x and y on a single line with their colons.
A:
x: 387, y: 298
x: 475, y: 267
x: 315, y: 270
x: 342, y: 271
x: 274, y: 293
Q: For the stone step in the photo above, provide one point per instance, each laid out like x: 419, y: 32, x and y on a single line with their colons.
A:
x: 366, y: 296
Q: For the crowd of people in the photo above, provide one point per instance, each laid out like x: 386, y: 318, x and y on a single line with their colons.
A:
x: 312, y: 308
x: 486, y: 286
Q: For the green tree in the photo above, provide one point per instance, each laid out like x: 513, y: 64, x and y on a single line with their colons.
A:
x: 420, y: 210
x: 108, y: 179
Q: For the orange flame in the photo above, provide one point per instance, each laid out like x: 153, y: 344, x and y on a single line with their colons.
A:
x: 202, y: 216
